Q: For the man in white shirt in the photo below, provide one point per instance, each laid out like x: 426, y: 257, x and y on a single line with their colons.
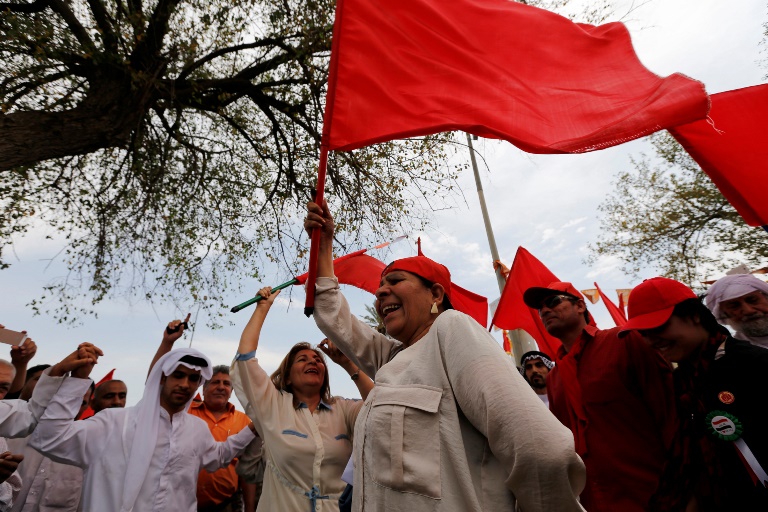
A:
x: 741, y: 301
x: 159, y: 471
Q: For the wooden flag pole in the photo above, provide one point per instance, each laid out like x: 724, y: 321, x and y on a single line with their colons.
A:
x: 314, y: 248
x: 522, y: 342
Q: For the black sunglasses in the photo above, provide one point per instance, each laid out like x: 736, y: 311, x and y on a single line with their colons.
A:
x: 554, y: 300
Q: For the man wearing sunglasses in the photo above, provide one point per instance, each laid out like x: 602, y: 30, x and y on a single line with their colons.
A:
x: 616, y: 397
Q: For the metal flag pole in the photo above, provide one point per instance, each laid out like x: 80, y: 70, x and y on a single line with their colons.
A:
x: 522, y: 342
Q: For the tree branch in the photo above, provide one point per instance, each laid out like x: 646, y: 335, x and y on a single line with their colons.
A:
x: 105, y: 25
x: 223, y: 51
x: 74, y: 25
x: 36, y: 6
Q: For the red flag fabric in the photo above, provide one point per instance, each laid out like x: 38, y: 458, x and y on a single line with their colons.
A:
x: 731, y: 147
x: 618, y: 315
x: 507, y: 343
x: 470, y: 303
x: 512, y: 313
x: 356, y: 269
x: 495, y: 68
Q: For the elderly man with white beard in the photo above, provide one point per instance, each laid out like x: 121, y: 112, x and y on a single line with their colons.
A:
x: 741, y: 302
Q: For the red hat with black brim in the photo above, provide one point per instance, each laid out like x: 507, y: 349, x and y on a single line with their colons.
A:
x: 534, y: 296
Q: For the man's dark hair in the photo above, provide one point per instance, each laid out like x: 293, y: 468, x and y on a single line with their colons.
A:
x: 194, y: 361
x: 35, y: 369
x: 690, y: 308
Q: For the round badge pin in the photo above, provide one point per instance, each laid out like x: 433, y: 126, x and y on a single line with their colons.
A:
x: 726, y: 397
x: 724, y: 425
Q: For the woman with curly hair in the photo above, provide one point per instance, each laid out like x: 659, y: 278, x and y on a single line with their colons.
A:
x: 307, y: 432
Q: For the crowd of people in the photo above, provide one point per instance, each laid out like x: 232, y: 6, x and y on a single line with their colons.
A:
x: 661, y: 414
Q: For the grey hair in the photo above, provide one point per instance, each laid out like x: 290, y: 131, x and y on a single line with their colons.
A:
x: 9, y: 365
x: 221, y: 368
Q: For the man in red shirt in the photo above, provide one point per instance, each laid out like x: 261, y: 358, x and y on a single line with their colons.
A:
x: 218, y: 491
x: 616, y: 397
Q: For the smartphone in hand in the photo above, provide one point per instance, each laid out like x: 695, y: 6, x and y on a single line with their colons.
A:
x: 10, y: 337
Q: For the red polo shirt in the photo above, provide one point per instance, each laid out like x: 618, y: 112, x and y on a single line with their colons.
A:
x: 628, y: 399
x: 214, y: 488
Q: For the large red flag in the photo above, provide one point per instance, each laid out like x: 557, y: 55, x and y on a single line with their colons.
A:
x: 618, y: 315
x: 512, y: 313
x: 495, y: 68
x: 732, y: 148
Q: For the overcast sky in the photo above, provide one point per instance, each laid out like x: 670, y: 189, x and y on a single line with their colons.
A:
x: 547, y: 204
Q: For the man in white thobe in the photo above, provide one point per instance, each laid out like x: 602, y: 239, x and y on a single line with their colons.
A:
x: 159, y: 471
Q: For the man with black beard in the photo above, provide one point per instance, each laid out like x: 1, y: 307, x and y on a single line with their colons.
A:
x: 741, y: 302
x: 535, y: 366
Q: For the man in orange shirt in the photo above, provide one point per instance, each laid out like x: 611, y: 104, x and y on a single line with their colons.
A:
x: 218, y: 491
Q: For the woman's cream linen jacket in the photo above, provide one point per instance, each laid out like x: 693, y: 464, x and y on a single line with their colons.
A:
x: 450, y: 425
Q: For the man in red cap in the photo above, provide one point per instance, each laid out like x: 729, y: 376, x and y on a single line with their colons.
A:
x: 615, y: 395
x: 720, y: 454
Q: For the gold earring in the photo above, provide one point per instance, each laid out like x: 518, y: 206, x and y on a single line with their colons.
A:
x: 434, y: 308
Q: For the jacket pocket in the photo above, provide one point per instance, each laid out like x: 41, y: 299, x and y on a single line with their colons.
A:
x: 404, y: 437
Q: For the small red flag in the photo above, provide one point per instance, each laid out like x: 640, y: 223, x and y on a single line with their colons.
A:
x: 618, y: 315
x: 495, y: 68
x: 512, y: 313
x: 356, y: 269
x: 732, y: 148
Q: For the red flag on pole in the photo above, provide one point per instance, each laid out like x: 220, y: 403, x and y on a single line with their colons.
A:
x: 732, y: 148
x: 512, y: 313
x: 495, y: 68
x: 356, y: 269
x: 618, y: 315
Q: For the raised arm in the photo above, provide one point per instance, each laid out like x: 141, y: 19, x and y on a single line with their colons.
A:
x: 20, y: 357
x: 320, y: 217
x: 174, y: 331
x: 249, y: 340
x: 57, y: 436
x: 362, y: 381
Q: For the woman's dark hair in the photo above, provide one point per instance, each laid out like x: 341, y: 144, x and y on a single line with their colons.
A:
x: 428, y: 284
x: 691, y: 308
x: 283, y: 372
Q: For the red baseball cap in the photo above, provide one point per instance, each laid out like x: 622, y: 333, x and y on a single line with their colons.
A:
x: 423, y: 267
x: 534, y: 296
x: 651, y: 303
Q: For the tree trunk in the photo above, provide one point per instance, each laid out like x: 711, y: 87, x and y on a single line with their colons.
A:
x: 105, y: 118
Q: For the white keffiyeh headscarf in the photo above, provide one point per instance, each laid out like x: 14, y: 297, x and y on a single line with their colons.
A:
x: 147, y: 420
x: 731, y: 287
